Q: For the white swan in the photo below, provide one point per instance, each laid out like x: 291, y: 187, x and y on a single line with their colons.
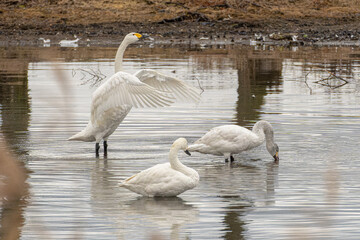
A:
x: 113, y: 100
x: 69, y: 43
x: 167, y: 179
x: 227, y: 140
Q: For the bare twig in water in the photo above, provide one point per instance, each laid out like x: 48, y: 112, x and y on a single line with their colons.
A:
x: 96, y: 76
x: 328, y: 81
x: 307, y: 83
x: 332, y: 81
x: 338, y: 77
x: 202, y: 90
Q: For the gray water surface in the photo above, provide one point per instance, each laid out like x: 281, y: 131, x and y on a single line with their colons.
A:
x: 313, y: 193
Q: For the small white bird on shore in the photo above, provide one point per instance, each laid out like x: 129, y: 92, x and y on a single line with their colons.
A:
x: 70, y: 43
x: 45, y: 42
x: 167, y: 179
x: 227, y: 140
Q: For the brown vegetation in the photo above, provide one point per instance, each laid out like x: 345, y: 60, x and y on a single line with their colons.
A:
x: 49, y: 12
x: 13, y: 177
x: 116, y: 17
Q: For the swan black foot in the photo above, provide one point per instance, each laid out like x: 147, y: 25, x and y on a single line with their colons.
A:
x: 97, y: 148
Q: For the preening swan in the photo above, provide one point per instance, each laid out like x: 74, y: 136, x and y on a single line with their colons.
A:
x: 113, y: 100
x: 167, y: 179
x: 227, y: 140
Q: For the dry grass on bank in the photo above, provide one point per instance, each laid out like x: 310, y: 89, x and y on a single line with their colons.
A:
x: 13, y: 177
x: 47, y: 12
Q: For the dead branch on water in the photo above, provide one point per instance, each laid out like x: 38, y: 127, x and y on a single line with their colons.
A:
x: 332, y: 81
x: 91, y: 76
x: 329, y: 81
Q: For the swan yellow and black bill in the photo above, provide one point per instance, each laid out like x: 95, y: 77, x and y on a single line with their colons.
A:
x: 138, y: 35
x: 187, y: 152
x: 276, y: 157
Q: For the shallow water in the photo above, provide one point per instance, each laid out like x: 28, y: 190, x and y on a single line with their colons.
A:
x: 313, y: 193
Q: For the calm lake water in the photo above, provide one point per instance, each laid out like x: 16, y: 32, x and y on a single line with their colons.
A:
x: 313, y: 193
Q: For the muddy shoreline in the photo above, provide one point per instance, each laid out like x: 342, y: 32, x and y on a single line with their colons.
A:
x: 212, y: 22
x: 325, y: 32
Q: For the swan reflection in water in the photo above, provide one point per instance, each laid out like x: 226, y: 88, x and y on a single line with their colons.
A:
x: 248, y: 183
x: 165, y: 214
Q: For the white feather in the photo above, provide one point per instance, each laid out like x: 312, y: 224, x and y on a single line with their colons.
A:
x: 173, y: 86
x: 125, y: 89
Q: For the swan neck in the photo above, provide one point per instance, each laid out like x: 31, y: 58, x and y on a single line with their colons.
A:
x: 175, y: 162
x: 119, y: 55
x: 264, y: 131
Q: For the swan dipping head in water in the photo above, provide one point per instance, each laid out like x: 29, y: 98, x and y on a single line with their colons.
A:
x: 227, y: 140
x: 167, y: 179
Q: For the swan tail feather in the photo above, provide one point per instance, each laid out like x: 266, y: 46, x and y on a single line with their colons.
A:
x: 195, y: 147
x: 82, y: 136
x: 77, y: 137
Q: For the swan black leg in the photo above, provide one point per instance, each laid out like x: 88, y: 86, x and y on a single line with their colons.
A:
x: 105, y: 148
x: 231, y: 159
x: 97, y: 147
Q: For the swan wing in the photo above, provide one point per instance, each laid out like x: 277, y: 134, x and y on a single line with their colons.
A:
x: 177, y: 88
x: 125, y: 89
x: 158, y: 174
x: 228, y: 138
x: 159, y: 180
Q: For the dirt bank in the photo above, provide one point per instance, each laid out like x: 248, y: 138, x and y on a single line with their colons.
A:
x: 209, y: 21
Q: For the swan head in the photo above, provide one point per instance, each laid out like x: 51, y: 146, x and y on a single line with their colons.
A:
x: 181, y: 144
x: 273, y: 149
x: 132, y: 37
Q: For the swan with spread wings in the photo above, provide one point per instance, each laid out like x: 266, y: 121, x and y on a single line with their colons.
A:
x: 113, y: 100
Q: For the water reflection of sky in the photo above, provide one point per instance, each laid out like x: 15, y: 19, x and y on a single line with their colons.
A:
x: 310, y: 194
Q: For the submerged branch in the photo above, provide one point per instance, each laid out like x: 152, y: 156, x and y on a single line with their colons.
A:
x: 202, y: 89
x: 307, y: 83
x: 95, y: 78
x: 331, y: 81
